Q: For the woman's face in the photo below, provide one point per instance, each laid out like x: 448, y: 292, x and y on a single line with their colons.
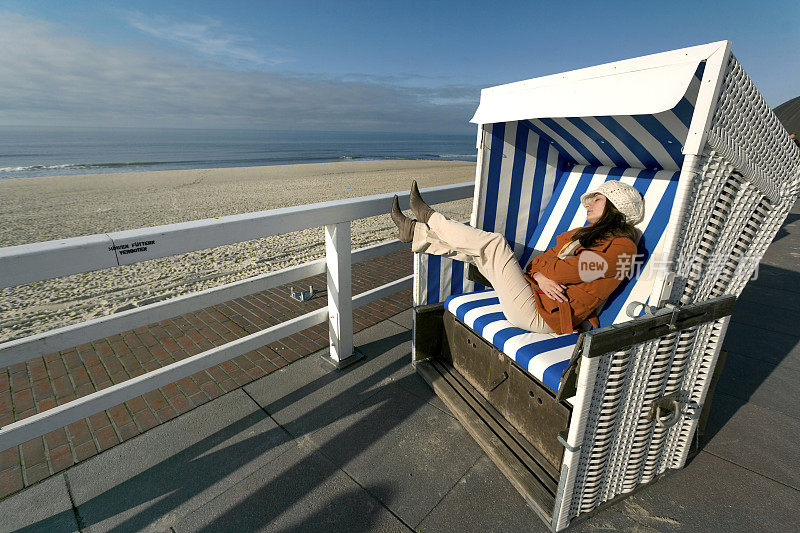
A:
x: 595, y: 205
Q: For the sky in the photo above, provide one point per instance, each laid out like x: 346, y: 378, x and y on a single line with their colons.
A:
x: 344, y: 65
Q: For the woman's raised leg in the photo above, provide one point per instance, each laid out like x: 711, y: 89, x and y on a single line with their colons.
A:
x: 494, y: 258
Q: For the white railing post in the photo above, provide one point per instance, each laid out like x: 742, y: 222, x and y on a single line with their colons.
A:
x: 340, y: 292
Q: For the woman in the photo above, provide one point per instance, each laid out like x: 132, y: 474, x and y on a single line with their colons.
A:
x: 562, y: 287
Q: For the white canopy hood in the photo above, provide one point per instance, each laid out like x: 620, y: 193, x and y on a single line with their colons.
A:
x: 643, y: 85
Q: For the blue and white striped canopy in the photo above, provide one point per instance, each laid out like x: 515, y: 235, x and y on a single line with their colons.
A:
x: 525, y: 161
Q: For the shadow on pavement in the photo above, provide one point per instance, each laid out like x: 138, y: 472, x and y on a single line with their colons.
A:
x: 163, y: 487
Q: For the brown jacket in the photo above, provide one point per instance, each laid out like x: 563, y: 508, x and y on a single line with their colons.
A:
x: 589, y: 279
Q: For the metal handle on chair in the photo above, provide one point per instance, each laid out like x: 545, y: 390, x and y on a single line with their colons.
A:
x: 632, y: 308
x: 669, y: 404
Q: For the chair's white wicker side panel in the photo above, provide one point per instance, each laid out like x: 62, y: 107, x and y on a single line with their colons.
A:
x: 711, y: 251
x: 612, y: 420
x: 749, y: 135
x: 638, y: 434
x: 694, y: 389
x: 615, y: 441
x: 747, y: 181
x: 746, y: 137
x: 582, y: 416
x: 687, y: 348
x: 728, y: 230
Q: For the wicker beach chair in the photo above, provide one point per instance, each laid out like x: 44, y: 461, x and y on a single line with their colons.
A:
x: 576, y: 421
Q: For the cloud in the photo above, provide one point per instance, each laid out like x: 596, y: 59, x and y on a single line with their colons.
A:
x: 206, y: 38
x: 50, y: 77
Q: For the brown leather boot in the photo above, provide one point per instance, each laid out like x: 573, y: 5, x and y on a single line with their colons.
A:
x: 422, y: 210
x: 404, y: 224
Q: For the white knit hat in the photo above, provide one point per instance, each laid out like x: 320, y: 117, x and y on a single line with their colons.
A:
x: 624, y: 197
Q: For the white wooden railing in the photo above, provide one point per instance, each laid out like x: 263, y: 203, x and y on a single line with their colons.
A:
x: 51, y: 259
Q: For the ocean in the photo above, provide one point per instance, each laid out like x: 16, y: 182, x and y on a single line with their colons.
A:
x: 32, y: 152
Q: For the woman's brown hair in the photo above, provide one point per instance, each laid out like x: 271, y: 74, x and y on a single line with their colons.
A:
x: 611, y: 224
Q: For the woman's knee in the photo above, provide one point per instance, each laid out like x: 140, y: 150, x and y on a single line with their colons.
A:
x: 533, y: 324
x: 523, y: 313
x: 519, y: 317
x: 498, y: 244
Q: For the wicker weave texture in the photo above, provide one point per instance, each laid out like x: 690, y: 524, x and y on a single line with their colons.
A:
x: 749, y: 135
x: 623, y: 445
x: 694, y: 388
x: 745, y: 182
x: 619, y: 426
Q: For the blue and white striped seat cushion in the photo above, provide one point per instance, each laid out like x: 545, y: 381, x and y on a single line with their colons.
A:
x: 546, y: 355
x: 543, y: 355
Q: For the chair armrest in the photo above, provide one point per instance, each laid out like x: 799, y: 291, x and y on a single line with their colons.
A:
x: 428, y: 327
x: 622, y: 336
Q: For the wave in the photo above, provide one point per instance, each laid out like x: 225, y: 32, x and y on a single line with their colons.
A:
x: 193, y: 164
x: 32, y: 167
x: 71, y: 168
x: 409, y: 156
x: 86, y: 166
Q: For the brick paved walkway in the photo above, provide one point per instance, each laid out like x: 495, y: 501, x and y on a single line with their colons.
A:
x: 42, y: 383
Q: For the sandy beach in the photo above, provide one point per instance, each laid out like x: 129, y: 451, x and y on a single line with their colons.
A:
x: 42, y: 209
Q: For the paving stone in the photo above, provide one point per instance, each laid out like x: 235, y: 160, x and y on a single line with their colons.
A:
x: 405, y: 375
x: 405, y: 319
x: 154, y: 479
x: 302, y: 491
x: 772, y: 387
x: 771, y: 296
x: 780, y: 259
x: 754, y: 437
x: 410, y: 451
x: 42, y: 507
x: 786, y: 240
x: 770, y: 346
x: 407, y: 378
x: 709, y: 495
x: 11, y: 480
x: 36, y: 473
x: 310, y: 393
x: 482, y: 500
x: 768, y: 317
x: 782, y: 276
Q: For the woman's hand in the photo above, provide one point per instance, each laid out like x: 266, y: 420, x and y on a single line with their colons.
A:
x: 552, y: 289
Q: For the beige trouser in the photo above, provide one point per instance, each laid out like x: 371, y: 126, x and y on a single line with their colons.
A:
x: 493, y: 257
